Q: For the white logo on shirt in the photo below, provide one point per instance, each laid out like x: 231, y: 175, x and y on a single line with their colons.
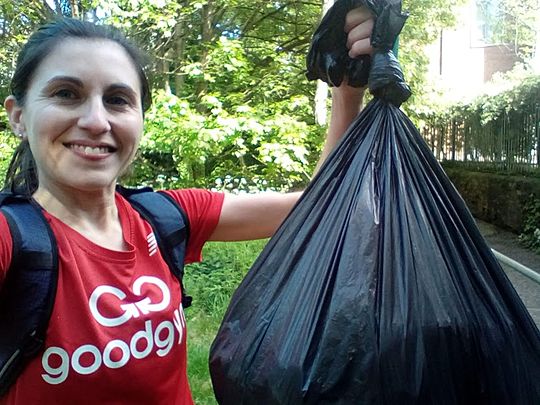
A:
x: 152, y: 244
x: 131, y: 310
x: 87, y: 359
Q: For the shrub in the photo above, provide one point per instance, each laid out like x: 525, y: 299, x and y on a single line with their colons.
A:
x: 531, y: 228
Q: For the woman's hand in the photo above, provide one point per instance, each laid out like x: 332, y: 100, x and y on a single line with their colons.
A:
x: 358, y: 26
x: 347, y: 100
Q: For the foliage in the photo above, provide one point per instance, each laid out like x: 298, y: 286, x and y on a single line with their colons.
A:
x: 233, y: 111
x: 233, y: 108
x: 514, y: 99
x: 427, y: 19
x: 512, y: 22
x: 489, y: 108
x: 211, y: 283
x: 252, y: 126
x: 8, y: 143
x: 256, y: 148
x: 500, y: 127
x: 530, y: 236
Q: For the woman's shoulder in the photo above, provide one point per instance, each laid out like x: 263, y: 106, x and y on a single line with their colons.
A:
x: 196, y: 203
x: 203, y: 209
x: 196, y: 199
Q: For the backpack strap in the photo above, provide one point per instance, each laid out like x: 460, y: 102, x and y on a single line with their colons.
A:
x: 29, y: 289
x: 170, y: 224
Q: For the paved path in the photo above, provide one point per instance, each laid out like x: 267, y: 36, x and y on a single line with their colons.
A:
x: 507, y: 243
x: 528, y: 290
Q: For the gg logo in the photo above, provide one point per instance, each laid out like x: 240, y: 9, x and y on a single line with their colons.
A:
x: 130, y: 310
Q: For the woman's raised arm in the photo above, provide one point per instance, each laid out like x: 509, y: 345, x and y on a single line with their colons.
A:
x: 255, y: 216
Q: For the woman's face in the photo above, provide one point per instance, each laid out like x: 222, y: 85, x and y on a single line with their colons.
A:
x: 82, y: 115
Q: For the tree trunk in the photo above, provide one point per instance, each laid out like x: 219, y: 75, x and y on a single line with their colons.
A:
x: 206, y: 39
x: 201, y: 87
x: 322, y: 88
x: 179, y: 47
x: 75, y: 12
x: 166, y: 68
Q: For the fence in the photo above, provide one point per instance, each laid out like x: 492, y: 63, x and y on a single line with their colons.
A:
x: 509, y: 140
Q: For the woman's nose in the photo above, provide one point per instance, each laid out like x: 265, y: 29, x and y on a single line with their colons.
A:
x: 94, y: 116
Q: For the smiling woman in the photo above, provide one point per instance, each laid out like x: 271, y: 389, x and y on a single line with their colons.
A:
x: 117, y: 329
x: 82, y: 116
x: 22, y: 175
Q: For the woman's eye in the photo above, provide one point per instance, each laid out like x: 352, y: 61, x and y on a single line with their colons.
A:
x: 64, y: 94
x: 117, y: 100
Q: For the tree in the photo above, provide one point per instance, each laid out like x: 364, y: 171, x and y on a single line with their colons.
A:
x: 237, y: 65
x: 233, y: 106
x: 511, y: 22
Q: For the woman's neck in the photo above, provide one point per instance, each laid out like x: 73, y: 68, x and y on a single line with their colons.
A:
x: 92, y: 214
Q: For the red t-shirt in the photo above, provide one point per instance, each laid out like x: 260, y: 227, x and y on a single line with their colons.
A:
x: 117, y: 334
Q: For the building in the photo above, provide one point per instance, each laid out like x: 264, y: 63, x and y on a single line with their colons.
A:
x: 463, y: 59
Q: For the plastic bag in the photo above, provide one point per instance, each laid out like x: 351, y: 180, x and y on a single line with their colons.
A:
x: 378, y: 288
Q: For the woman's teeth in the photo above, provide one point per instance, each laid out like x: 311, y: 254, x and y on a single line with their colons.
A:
x: 88, y: 150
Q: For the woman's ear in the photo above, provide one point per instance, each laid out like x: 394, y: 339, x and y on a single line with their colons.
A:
x: 15, y: 116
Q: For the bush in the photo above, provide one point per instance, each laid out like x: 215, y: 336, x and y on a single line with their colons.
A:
x: 531, y: 228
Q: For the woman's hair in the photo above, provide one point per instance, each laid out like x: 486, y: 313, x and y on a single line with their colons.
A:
x: 21, y: 176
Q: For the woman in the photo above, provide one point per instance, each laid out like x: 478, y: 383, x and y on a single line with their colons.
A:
x: 79, y: 93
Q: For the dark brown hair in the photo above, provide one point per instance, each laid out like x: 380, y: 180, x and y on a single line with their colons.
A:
x: 22, y: 176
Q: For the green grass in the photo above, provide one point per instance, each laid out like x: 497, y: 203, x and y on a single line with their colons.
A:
x: 211, y: 283
x: 202, y: 329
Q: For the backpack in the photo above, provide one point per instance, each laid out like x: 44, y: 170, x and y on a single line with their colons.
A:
x: 29, y: 290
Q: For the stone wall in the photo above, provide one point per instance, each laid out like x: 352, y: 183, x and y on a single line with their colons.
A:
x: 497, y: 199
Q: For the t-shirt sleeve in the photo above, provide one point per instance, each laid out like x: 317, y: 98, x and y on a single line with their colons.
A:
x: 6, y: 246
x: 203, y: 208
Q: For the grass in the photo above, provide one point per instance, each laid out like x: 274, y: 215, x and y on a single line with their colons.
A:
x: 211, y: 283
x: 202, y: 329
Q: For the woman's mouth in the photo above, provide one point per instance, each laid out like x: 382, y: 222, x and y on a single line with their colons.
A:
x: 91, y: 150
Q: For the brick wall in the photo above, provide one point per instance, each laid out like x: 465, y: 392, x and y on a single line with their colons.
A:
x: 498, y: 58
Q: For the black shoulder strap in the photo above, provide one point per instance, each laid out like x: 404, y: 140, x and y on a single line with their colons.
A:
x: 170, y: 224
x: 28, y: 292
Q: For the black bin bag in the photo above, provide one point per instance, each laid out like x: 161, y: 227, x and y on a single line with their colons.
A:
x: 378, y: 288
